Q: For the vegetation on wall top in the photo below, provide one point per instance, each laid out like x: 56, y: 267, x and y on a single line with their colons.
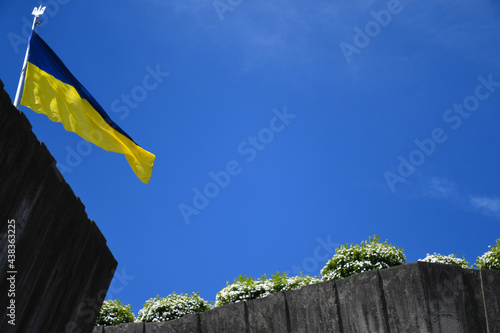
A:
x: 347, y: 260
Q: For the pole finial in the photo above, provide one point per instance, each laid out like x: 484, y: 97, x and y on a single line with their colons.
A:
x: 38, y: 11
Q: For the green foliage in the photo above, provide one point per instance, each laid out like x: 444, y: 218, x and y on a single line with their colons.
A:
x: 358, y: 258
x: 449, y: 259
x: 281, y: 282
x: 246, y: 288
x: 171, y: 307
x: 113, y: 312
x: 490, y: 259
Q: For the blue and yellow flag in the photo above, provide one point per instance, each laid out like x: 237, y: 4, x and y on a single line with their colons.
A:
x: 52, y: 90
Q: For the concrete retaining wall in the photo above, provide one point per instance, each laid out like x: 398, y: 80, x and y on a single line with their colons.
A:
x: 62, y: 265
x: 412, y: 298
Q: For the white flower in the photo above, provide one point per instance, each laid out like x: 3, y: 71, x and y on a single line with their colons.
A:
x: 171, y: 307
x: 449, y: 259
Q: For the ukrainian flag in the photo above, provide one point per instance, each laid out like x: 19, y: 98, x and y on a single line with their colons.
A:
x: 52, y: 90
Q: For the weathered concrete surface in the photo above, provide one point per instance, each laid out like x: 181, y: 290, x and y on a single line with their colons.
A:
x: 268, y: 314
x: 63, y: 264
x: 126, y: 328
x: 407, y: 310
x: 190, y: 323
x: 314, y: 308
x: 361, y: 303
x: 232, y: 318
x: 455, y: 303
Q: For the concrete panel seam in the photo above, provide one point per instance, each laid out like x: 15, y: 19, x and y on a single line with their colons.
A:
x: 198, y: 322
x: 384, y: 303
x: 337, y: 306
x: 424, y: 288
x: 484, y: 300
x: 287, y: 315
x: 247, y: 320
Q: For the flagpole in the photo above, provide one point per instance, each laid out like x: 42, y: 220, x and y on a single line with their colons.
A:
x: 17, y: 100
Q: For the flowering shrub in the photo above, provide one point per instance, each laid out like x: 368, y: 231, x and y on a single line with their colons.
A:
x: 284, y: 283
x: 171, y: 307
x: 442, y: 259
x: 113, y: 312
x: 353, y: 259
x: 246, y: 288
x: 243, y: 288
x: 490, y: 259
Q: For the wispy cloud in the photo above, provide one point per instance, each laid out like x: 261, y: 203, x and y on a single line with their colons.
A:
x: 444, y: 189
x: 441, y: 188
x: 460, y: 29
x: 277, y: 32
x: 489, y: 206
x: 292, y: 33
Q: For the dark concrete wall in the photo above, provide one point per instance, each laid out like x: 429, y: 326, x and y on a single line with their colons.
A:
x: 412, y: 298
x: 63, y: 265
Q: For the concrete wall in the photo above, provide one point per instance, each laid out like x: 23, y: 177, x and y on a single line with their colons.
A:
x: 62, y: 265
x: 412, y: 298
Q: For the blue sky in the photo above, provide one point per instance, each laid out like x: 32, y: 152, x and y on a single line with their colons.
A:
x: 304, y: 125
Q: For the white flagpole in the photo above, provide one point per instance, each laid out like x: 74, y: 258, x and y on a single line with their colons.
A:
x: 37, y: 12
